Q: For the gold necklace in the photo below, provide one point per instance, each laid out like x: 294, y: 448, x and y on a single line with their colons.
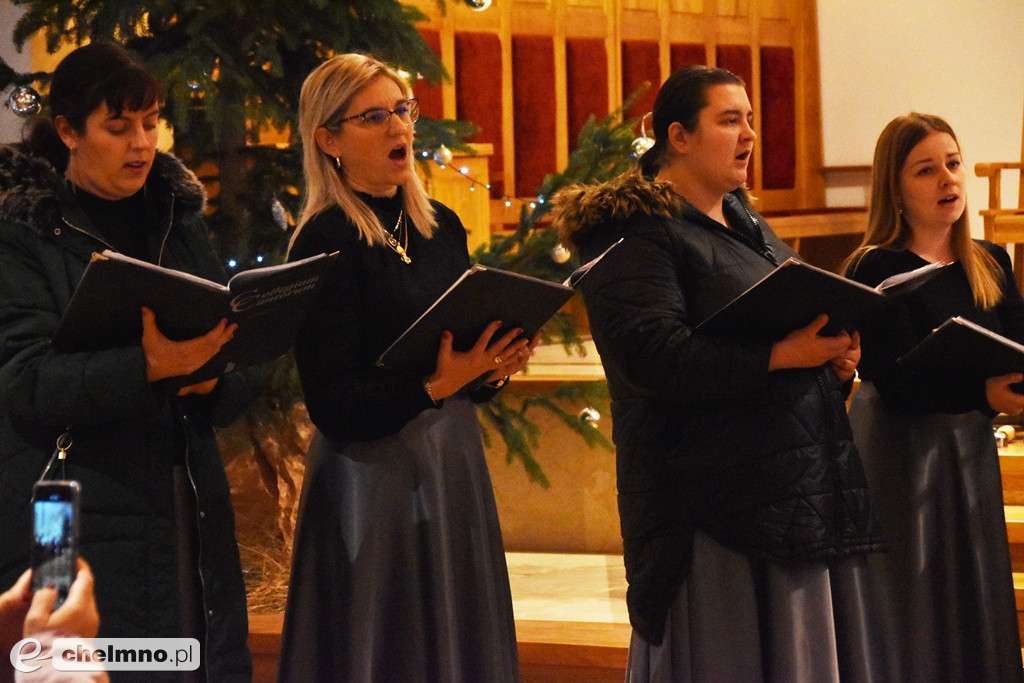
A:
x: 393, y: 241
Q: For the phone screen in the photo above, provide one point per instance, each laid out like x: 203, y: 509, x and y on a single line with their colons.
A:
x: 55, y: 536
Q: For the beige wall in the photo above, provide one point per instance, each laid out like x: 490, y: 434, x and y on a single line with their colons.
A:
x: 959, y: 59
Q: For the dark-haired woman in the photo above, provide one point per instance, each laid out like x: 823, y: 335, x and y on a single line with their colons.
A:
x: 927, y: 443
x: 157, y: 524
x: 744, y: 510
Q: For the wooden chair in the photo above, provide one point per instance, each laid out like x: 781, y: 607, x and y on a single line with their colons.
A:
x: 1005, y: 225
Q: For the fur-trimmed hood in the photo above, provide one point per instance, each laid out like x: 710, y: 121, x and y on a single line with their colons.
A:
x: 581, y: 211
x: 35, y: 194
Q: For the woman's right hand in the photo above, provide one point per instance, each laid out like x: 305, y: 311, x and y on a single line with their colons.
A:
x: 804, y: 348
x: 456, y: 369
x: 78, y: 615
x: 1001, y: 396
x: 166, y: 358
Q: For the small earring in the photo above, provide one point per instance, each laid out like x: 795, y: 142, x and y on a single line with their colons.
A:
x: 337, y: 161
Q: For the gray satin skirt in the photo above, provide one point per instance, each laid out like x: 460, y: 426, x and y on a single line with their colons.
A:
x: 398, y: 571
x: 945, y: 581
x: 737, y: 620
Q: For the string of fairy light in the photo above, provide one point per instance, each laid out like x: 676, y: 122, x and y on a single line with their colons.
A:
x: 443, y: 157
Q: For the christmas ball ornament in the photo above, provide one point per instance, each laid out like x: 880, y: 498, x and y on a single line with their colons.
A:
x: 641, y: 145
x: 590, y: 416
x: 443, y: 155
x: 478, y: 5
x: 559, y: 254
x: 24, y: 101
x: 280, y: 214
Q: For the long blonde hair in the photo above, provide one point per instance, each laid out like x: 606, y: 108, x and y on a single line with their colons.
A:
x: 888, y: 230
x: 326, y: 93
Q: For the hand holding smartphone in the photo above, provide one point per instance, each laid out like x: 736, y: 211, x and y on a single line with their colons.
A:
x: 55, y: 510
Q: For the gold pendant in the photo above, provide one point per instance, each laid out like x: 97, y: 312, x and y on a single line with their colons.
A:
x: 402, y: 254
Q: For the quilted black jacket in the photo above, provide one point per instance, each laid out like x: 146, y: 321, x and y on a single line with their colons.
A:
x: 706, y: 437
x: 127, y: 433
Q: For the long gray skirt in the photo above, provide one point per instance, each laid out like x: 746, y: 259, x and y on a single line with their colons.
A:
x: 946, y: 580
x: 738, y: 621
x: 398, y: 571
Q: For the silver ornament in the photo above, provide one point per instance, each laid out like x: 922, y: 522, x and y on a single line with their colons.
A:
x: 280, y: 214
x: 590, y: 416
x: 443, y: 155
x: 641, y: 145
x: 559, y: 254
x: 24, y: 101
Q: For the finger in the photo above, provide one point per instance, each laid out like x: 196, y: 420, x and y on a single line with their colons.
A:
x: 39, y: 611
x: 484, y: 340
x: 200, y: 388
x: 817, y: 324
x: 510, y: 349
x: 220, y: 333
x: 78, y: 614
x: 444, y: 350
x: 509, y: 339
x: 23, y: 586
x: 82, y: 586
x: 148, y: 322
x: 14, y: 602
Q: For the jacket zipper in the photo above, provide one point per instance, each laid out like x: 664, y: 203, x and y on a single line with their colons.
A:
x: 764, y: 249
x: 108, y: 245
x: 167, y: 233
x: 85, y: 232
x: 760, y: 247
x: 198, y: 529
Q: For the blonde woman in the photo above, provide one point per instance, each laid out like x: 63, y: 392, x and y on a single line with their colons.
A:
x: 398, y: 571
x: 927, y: 444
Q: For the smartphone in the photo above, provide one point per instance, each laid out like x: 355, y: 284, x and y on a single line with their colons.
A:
x: 55, y: 512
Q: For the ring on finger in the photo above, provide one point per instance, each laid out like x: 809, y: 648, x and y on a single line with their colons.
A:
x: 497, y: 360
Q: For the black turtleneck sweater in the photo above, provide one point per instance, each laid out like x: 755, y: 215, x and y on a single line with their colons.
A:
x: 123, y: 223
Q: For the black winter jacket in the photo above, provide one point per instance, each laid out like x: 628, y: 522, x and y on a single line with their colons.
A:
x: 127, y: 434
x: 705, y: 436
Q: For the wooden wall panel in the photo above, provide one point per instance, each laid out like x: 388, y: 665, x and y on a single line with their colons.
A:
x: 430, y: 96
x: 586, y: 69
x: 778, y: 115
x: 533, y: 72
x: 478, y: 92
x: 686, y: 54
x: 641, y: 63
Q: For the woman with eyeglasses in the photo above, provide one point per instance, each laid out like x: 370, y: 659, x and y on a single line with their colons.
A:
x: 398, y: 569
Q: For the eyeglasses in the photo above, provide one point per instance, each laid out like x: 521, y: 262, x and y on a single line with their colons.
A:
x: 407, y: 110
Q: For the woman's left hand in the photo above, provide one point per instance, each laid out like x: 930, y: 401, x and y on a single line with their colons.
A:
x: 845, y: 364
x: 514, y: 358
